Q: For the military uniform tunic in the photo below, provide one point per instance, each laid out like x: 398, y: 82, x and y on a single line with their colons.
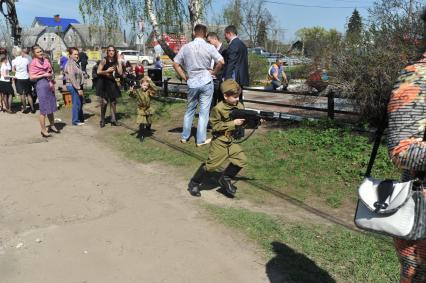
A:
x: 143, y: 98
x: 223, y: 146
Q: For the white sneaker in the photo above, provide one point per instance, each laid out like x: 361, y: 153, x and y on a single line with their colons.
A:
x: 79, y: 124
x: 207, y: 141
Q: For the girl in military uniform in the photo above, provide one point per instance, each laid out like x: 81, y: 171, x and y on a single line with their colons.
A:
x: 144, y: 110
x: 222, y: 147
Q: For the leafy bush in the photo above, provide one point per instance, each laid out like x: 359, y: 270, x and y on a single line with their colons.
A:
x: 297, y: 72
x: 258, y: 67
x: 368, y: 68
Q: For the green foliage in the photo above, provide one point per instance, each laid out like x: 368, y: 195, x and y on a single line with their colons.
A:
x: 308, y: 160
x: 315, y: 253
x: 297, y: 72
x: 170, y: 73
x: 56, y: 67
x: 369, y: 67
x: 314, y: 159
x: 262, y: 34
x: 232, y: 14
x: 320, y: 44
x: 258, y: 67
x: 354, y: 30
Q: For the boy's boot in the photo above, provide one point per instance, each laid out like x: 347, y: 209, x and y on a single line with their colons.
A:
x: 141, y: 132
x: 225, y: 181
x: 195, y: 183
x: 148, y: 127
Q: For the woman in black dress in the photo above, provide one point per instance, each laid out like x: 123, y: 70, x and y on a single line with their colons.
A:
x: 107, y: 88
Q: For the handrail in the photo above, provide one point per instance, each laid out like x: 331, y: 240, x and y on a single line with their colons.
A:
x: 330, y: 100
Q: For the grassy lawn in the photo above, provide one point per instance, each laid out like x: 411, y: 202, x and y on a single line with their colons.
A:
x: 313, y: 253
x: 321, y: 159
x: 319, y: 163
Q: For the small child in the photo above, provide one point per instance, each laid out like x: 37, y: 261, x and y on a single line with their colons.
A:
x: 143, y: 97
x: 222, y: 147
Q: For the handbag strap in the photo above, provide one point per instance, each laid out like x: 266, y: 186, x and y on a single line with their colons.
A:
x: 377, y: 140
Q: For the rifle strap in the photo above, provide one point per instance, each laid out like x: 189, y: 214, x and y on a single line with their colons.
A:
x: 246, y: 138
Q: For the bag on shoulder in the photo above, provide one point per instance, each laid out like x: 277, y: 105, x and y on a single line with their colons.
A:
x: 390, y: 207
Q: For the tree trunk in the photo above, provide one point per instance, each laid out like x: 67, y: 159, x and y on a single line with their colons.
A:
x: 12, y: 19
x: 194, y: 7
x: 156, y: 30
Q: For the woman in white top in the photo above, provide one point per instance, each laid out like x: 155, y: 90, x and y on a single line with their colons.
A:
x: 6, y: 89
x: 22, y: 79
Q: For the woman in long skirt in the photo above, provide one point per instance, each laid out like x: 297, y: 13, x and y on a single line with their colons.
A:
x: 41, y: 71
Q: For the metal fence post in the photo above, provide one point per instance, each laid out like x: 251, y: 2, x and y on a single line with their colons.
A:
x: 166, y: 87
x: 330, y: 105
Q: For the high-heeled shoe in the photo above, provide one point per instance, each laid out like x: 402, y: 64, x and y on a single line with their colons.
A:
x: 45, y: 135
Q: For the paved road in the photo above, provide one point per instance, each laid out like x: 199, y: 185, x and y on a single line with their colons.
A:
x: 72, y: 210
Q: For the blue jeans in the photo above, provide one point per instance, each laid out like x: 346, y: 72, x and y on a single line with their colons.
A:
x: 203, y: 96
x: 77, y: 106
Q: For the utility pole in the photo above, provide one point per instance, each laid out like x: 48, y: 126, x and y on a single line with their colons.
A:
x: 7, y: 8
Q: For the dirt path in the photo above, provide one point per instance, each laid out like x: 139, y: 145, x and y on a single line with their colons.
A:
x: 71, y: 210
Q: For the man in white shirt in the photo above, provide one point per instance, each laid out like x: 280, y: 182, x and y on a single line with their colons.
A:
x: 22, y: 79
x: 196, y: 58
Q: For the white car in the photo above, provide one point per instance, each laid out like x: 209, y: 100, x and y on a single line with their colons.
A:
x: 133, y: 56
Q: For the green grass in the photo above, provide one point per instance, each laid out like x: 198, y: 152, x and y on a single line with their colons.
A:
x: 320, y: 159
x: 314, y: 253
x: 307, y: 160
x: 151, y: 150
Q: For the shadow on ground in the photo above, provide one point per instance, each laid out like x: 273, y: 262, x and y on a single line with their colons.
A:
x: 291, y: 266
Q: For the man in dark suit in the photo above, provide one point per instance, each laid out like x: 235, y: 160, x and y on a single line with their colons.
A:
x: 214, y: 40
x: 236, y: 60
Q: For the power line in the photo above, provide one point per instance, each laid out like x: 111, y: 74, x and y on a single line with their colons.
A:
x: 315, y: 6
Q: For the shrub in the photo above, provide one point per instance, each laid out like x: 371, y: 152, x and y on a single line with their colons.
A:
x: 258, y: 67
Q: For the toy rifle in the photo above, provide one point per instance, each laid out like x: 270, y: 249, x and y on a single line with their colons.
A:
x: 252, y: 118
x: 252, y: 121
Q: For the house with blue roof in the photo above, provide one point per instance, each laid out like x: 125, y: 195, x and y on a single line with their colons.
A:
x: 55, y: 23
x: 48, y: 32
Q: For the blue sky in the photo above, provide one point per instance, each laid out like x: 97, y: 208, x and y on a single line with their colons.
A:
x: 290, y: 18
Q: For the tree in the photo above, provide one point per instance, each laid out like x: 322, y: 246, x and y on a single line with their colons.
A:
x: 262, y: 34
x: 232, y: 14
x: 162, y: 14
x: 354, y: 29
x: 369, y: 68
x: 10, y: 14
x: 253, y: 14
x: 320, y: 44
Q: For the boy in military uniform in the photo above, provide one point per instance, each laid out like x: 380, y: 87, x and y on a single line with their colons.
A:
x: 222, y: 147
x: 144, y: 110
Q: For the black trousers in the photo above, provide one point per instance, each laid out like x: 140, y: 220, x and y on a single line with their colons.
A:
x: 217, y: 94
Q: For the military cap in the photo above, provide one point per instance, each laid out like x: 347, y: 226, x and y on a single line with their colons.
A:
x: 230, y: 87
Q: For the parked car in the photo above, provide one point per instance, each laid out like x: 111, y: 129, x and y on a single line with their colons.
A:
x: 133, y: 56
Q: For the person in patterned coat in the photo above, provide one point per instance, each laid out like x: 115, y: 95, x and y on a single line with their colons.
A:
x: 407, y: 150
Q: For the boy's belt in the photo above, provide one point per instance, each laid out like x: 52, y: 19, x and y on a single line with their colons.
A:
x: 226, y: 133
